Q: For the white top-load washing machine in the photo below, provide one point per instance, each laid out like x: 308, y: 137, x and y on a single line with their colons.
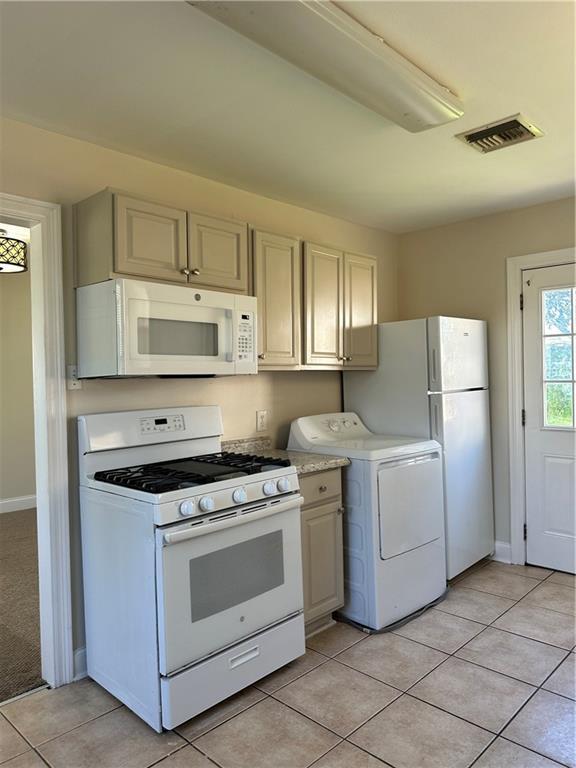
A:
x: 394, y: 546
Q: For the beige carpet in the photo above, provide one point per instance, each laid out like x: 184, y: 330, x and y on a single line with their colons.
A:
x: 19, y: 614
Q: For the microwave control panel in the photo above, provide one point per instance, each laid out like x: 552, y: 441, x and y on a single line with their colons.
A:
x: 246, y: 336
x: 172, y: 423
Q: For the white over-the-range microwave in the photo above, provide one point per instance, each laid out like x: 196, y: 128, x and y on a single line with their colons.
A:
x: 137, y: 328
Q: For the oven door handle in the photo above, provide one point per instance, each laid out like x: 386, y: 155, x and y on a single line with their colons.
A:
x: 204, y: 529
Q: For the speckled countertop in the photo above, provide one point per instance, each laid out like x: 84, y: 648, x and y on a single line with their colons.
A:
x: 305, y: 463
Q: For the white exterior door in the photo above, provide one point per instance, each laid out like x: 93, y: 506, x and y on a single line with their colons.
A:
x: 550, y: 453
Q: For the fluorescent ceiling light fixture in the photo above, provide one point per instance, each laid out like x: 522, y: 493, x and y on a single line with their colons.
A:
x: 320, y: 38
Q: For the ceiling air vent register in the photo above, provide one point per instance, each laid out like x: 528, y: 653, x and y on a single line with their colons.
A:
x: 504, y: 133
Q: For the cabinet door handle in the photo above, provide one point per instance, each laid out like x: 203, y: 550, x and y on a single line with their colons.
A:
x: 340, y: 510
x: 185, y: 271
x: 323, y: 488
x: 262, y: 357
x: 195, y: 272
x: 348, y: 359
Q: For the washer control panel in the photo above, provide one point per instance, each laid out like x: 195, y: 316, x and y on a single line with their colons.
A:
x: 342, y: 423
x: 172, y: 423
x: 327, y: 427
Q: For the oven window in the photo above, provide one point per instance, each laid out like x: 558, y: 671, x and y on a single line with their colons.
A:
x: 233, y: 575
x: 177, y: 337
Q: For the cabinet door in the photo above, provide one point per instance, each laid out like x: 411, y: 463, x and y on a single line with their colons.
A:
x: 218, y: 253
x: 150, y: 240
x: 360, y: 310
x: 322, y: 560
x: 324, y: 296
x: 277, y: 287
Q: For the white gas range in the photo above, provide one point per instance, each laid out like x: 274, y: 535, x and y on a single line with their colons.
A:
x: 191, y: 561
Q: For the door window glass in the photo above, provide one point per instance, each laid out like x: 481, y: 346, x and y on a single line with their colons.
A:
x: 233, y: 575
x: 558, y: 346
x: 157, y: 336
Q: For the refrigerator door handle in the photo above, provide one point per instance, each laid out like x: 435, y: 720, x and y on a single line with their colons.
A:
x: 434, y: 365
x: 435, y: 420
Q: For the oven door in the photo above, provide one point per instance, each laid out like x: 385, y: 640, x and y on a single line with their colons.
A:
x: 173, y: 330
x: 225, y: 578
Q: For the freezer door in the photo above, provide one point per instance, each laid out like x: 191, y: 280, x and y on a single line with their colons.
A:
x: 457, y: 354
x: 460, y: 421
x: 410, y: 508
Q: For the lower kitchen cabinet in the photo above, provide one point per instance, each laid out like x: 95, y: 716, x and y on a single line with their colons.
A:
x: 322, y: 547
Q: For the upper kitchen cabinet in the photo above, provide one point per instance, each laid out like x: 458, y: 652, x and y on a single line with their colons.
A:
x: 117, y: 234
x: 360, y: 311
x: 277, y: 284
x: 324, y: 306
x: 120, y: 235
x: 340, y: 292
x: 217, y: 253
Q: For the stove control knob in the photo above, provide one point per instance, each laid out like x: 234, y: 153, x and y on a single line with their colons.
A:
x: 239, y: 496
x: 283, y: 485
x: 186, y: 508
x: 269, y: 488
x: 334, y: 426
x: 347, y: 424
x: 206, y: 504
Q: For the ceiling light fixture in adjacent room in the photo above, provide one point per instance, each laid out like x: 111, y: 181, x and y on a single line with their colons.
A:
x: 12, y: 254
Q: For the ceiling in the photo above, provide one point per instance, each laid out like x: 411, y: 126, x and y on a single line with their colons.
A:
x: 162, y: 80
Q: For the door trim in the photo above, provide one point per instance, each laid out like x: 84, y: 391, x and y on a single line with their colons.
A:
x: 515, y: 265
x: 50, y: 433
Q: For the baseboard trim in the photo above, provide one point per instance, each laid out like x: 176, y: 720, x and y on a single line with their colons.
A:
x: 79, y: 664
x: 17, y: 503
x: 502, y: 552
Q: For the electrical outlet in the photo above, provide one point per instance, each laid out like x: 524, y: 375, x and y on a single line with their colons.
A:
x: 72, y: 380
x: 261, y: 421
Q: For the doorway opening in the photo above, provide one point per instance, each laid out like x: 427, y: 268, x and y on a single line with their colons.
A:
x: 43, y: 220
x: 20, y: 663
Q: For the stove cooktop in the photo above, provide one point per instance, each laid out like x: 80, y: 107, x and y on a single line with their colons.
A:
x: 178, y: 474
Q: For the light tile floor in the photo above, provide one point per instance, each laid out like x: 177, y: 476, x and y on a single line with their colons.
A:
x: 484, y: 679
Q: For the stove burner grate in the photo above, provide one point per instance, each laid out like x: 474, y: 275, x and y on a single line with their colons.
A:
x: 173, y: 475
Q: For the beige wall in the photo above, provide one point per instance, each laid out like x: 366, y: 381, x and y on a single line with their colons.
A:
x: 17, y: 475
x: 55, y: 168
x: 461, y: 270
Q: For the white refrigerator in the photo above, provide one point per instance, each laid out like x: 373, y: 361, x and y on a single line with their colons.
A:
x: 432, y: 381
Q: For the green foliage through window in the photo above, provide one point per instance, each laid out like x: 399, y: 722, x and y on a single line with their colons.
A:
x: 559, y: 321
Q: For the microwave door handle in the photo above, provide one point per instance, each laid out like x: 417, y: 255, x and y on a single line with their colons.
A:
x: 247, y: 517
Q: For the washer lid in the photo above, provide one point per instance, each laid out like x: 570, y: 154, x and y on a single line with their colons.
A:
x: 344, y: 434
